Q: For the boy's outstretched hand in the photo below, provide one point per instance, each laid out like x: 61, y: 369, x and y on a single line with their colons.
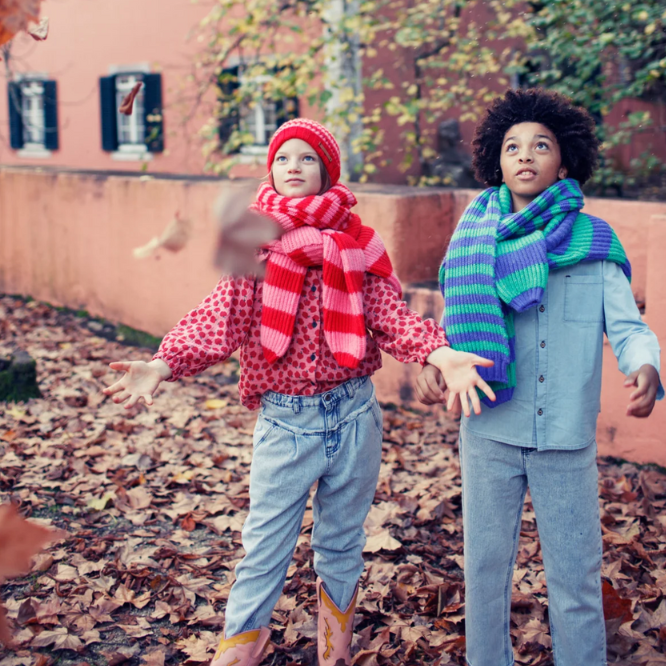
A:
x: 641, y: 401
x: 140, y: 380
x: 460, y: 376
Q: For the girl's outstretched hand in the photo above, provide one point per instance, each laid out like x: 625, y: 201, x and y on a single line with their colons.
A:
x: 140, y: 380
x: 459, y: 372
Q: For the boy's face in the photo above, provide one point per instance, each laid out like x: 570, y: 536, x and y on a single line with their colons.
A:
x: 296, y: 169
x: 530, y: 161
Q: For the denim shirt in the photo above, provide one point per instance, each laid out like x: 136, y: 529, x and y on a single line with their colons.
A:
x: 559, y: 347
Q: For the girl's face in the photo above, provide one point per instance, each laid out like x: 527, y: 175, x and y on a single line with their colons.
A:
x: 296, y: 169
x: 530, y: 162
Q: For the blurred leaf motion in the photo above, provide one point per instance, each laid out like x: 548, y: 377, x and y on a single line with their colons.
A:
x: 39, y: 31
x: 127, y: 104
x: 173, y: 238
x: 241, y: 232
x: 20, y: 540
x: 16, y: 15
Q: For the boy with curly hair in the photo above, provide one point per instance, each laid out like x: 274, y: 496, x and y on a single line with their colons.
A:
x: 533, y: 283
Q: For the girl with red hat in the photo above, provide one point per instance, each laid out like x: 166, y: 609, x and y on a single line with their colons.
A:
x: 310, y: 334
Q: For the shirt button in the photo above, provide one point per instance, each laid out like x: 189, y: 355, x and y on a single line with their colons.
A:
x: 543, y: 344
x: 313, y: 289
x: 314, y: 324
x: 542, y: 379
x: 313, y: 357
x: 540, y: 412
x: 542, y: 308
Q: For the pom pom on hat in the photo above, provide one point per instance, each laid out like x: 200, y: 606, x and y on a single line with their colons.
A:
x: 317, y: 136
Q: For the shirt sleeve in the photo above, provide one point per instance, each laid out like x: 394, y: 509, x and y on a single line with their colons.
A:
x: 211, y: 332
x: 633, y: 343
x: 398, y: 331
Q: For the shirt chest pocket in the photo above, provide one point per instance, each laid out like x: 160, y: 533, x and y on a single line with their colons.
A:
x: 584, y: 298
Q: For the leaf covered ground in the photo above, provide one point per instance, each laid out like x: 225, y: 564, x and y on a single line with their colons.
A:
x: 153, y: 501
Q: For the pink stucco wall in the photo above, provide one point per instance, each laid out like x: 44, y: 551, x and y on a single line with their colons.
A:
x: 85, y: 39
x: 67, y: 238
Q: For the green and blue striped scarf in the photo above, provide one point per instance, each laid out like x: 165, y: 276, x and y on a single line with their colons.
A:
x: 498, y: 261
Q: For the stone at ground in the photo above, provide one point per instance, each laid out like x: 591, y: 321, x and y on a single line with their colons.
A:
x: 18, y: 378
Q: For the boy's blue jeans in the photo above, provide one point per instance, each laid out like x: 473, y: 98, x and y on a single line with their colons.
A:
x: 334, y: 439
x: 564, y: 490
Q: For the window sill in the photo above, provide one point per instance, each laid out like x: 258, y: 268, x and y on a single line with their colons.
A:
x: 256, y: 156
x: 32, y: 153
x: 126, y: 156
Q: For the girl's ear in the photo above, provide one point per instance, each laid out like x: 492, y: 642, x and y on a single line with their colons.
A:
x: 562, y: 173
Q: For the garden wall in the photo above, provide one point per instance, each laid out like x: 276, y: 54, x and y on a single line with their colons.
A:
x: 67, y: 238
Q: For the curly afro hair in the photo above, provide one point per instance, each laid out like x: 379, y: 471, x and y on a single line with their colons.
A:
x: 572, y: 126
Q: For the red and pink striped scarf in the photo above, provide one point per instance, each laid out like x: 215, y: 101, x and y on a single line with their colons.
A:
x: 320, y: 230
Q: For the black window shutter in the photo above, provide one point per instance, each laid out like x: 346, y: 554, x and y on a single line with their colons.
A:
x: 228, y: 83
x: 50, y: 115
x: 286, y: 109
x: 107, y: 98
x: 153, y: 115
x: 15, y: 117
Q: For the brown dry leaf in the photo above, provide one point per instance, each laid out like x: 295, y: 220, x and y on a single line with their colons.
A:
x: 15, y: 15
x: 127, y: 105
x: 39, y: 31
x: 173, y: 238
x: 615, y: 607
x: 154, y: 658
x: 242, y: 232
x: 58, y: 639
x: 197, y: 649
x: 20, y: 539
x: 381, y: 541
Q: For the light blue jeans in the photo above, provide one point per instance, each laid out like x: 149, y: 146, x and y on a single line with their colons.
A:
x: 334, y: 439
x: 564, y: 490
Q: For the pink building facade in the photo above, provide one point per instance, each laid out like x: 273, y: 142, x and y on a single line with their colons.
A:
x: 62, y: 95
x: 94, y: 53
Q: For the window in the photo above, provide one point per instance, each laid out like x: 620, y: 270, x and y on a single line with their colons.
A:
x: 138, y: 135
x: 258, y: 118
x: 32, y: 113
x: 33, y: 119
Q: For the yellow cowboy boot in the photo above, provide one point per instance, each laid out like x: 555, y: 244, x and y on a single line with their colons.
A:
x: 334, y: 629
x: 244, y: 649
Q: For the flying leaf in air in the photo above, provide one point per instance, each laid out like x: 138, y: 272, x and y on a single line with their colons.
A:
x: 20, y: 539
x: 241, y: 232
x: 39, y: 31
x: 173, y: 238
x: 128, y: 102
x: 15, y: 15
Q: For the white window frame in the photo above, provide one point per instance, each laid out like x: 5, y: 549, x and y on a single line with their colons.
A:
x: 32, y: 115
x: 261, y: 123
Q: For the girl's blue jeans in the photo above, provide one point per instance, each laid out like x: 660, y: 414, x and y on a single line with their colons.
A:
x: 335, y: 440
x: 564, y: 490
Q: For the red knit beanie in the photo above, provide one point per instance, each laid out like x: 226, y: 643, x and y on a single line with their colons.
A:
x: 317, y: 136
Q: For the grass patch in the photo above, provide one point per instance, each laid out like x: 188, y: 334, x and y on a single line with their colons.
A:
x: 131, y: 336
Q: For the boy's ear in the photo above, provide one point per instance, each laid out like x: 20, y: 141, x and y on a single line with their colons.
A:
x: 562, y: 173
